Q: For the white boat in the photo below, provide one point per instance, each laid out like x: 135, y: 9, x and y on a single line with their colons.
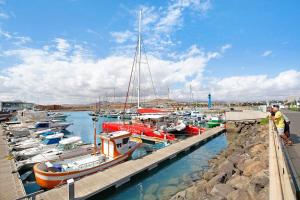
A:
x: 34, y: 142
x: 57, y: 116
x: 197, y: 114
x: 67, y: 148
x: 38, y: 133
x: 50, y: 125
x: 19, y: 132
x: 179, y: 126
x: 65, y: 144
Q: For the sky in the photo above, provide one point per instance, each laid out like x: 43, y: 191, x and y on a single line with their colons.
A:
x: 73, y: 51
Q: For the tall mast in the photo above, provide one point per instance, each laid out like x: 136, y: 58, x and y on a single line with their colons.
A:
x: 139, y: 59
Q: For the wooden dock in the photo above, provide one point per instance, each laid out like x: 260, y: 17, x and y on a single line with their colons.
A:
x: 11, y: 186
x: 120, y: 174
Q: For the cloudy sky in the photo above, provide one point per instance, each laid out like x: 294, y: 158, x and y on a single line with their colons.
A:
x: 72, y: 51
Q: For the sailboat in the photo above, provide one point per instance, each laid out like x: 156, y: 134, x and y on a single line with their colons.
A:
x: 152, y: 115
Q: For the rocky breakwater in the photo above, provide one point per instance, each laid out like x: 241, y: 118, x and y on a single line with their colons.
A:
x: 238, y: 172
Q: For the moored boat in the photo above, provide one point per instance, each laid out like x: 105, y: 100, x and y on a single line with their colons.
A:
x: 67, y: 148
x: 116, y: 147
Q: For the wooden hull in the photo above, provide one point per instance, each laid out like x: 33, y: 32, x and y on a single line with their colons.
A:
x: 49, y: 180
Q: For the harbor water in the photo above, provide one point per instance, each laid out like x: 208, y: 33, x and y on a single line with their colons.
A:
x: 167, y: 179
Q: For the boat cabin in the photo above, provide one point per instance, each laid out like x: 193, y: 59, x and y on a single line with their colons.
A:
x: 116, y: 143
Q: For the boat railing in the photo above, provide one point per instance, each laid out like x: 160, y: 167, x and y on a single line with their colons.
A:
x: 90, y: 164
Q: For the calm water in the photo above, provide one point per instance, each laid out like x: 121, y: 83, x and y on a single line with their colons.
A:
x: 83, y: 125
x: 165, y: 180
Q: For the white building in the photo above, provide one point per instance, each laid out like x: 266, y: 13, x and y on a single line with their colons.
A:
x: 15, y: 105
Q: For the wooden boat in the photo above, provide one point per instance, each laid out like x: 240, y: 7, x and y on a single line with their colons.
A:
x: 116, y: 148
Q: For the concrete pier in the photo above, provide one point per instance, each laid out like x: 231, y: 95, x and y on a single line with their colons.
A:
x: 11, y: 186
x: 122, y: 173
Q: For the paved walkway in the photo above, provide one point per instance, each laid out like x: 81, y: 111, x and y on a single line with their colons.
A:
x: 294, y: 151
x: 11, y: 186
x: 244, y: 115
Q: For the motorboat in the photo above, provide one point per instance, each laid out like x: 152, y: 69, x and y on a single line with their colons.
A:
x: 116, y: 147
x: 42, y: 125
x: 57, y: 116
x: 35, y: 142
x: 67, y: 148
x: 176, y: 127
x: 19, y: 132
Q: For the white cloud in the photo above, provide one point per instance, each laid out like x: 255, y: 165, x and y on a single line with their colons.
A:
x: 14, y: 37
x: 5, y: 34
x: 225, y: 47
x: 122, y: 37
x: 4, y: 15
x: 62, y: 45
x: 52, y: 76
x: 266, y: 53
x: 159, y: 24
x: 255, y: 87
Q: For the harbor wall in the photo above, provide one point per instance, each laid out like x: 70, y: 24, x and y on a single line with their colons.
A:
x: 238, y: 172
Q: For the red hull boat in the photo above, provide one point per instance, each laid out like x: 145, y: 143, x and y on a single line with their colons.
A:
x: 137, y: 128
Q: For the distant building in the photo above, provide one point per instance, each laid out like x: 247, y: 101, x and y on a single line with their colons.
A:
x: 15, y: 105
x: 209, y: 103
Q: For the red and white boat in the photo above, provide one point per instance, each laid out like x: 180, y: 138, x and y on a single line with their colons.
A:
x: 116, y: 148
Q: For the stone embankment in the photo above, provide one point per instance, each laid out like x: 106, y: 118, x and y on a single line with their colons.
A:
x: 238, y: 172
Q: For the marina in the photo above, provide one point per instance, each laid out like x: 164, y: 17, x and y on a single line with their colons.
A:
x: 149, y: 100
x: 26, y: 149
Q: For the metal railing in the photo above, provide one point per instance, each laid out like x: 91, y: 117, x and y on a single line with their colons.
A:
x: 282, y: 185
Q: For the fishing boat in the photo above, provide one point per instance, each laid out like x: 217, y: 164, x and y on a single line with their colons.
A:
x: 116, y: 148
x: 215, y: 121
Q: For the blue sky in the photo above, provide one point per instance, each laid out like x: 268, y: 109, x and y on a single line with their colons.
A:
x: 249, y: 40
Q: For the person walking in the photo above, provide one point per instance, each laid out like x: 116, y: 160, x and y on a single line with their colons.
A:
x: 286, y: 126
x: 280, y: 125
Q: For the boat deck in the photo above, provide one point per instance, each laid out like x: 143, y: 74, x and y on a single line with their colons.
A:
x: 120, y: 174
x: 11, y: 186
